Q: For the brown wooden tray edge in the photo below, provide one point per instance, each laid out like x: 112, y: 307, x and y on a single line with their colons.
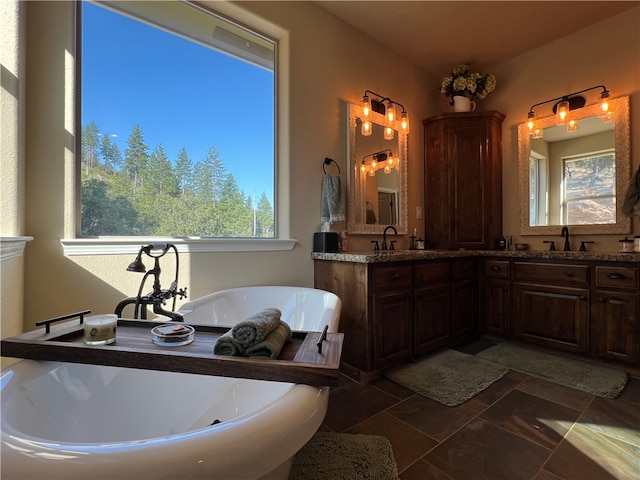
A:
x: 37, y: 345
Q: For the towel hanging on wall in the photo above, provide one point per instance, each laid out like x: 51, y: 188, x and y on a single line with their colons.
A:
x: 631, y: 205
x: 332, y: 198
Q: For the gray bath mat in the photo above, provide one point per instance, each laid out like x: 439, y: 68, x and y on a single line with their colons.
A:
x: 449, y: 377
x: 587, y: 377
x: 341, y: 456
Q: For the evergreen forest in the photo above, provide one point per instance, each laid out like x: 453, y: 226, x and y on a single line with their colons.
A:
x: 141, y: 192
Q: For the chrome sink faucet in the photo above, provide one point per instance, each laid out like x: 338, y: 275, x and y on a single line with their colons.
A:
x: 565, y: 235
x: 384, y: 237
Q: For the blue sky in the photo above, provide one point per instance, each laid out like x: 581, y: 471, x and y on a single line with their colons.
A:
x: 180, y: 93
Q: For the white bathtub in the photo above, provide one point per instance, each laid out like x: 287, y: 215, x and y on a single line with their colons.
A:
x: 73, y: 421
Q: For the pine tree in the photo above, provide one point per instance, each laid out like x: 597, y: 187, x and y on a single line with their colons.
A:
x: 135, y: 159
x: 184, y: 172
x: 110, y: 153
x: 89, y: 155
x: 265, y: 220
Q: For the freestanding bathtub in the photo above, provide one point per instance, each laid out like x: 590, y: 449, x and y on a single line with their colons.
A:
x: 76, y: 421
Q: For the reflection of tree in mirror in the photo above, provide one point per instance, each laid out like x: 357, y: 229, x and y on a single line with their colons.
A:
x: 589, y: 189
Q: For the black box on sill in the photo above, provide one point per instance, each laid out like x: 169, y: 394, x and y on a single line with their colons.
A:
x: 325, y: 242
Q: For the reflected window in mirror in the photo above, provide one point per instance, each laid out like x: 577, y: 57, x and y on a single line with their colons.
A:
x: 576, y: 178
x: 589, y: 184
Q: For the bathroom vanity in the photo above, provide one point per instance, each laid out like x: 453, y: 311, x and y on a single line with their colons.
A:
x: 398, y: 305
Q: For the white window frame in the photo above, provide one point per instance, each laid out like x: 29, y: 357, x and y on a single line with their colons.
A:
x: 109, y: 245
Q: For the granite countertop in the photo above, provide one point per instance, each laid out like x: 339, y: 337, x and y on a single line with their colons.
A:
x: 405, y: 255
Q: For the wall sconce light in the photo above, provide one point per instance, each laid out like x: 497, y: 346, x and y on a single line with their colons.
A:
x: 386, y: 107
x: 383, y: 159
x: 564, y: 105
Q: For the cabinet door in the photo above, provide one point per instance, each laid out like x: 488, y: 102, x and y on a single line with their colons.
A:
x: 496, y: 304
x: 617, y: 323
x: 432, y: 327
x: 556, y: 317
x: 392, y: 318
x: 464, y: 311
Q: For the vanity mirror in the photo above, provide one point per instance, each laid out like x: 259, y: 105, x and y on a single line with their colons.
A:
x: 576, y: 178
x: 377, y: 192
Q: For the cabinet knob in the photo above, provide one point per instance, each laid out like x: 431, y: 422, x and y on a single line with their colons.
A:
x: 495, y: 268
x: 395, y: 276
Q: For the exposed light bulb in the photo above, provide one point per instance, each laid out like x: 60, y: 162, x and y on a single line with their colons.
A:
x: 531, y: 121
x: 366, y: 106
x: 562, y: 110
x: 404, y: 122
x: 391, y: 112
x: 366, y: 128
x: 572, y: 126
x: 389, y: 133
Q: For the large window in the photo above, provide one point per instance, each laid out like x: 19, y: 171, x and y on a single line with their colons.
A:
x: 177, y: 118
x: 589, y: 195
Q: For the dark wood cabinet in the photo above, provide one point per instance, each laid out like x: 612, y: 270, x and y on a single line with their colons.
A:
x: 556, y: 317
x: 496, y: 296
x: 463, y: 179
x: 392, y: 311
x: 551, y: 305
x: 616, y: 313
x: 432, y: 300
x: 464, y: 300
x: 590, y: 308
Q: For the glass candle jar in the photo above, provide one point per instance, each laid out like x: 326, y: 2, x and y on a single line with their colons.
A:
x: 626, y: 245
x: 100, y: 329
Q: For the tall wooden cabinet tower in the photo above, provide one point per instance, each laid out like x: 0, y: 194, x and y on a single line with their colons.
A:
x: 463, y: 180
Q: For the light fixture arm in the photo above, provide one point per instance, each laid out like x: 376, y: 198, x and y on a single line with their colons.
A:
x: 566, y: 97
x: 384, y: 99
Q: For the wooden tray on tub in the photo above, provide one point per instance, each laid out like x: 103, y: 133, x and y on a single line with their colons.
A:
x: 312, y: 358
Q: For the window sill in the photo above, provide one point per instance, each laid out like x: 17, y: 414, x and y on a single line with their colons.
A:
x: 11, y: 247
x: 131, y: 245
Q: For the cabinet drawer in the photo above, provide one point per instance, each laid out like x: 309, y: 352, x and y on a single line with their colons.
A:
x: 432, y: 273
x: 395, y: 276
x: 496, y: 268
x: 620, y: 277
x: 552, y: 273
x: 463, y: 269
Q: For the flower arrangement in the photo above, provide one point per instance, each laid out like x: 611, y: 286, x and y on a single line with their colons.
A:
x: 464, y: 83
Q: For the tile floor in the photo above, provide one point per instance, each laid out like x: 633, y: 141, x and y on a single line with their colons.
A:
x: 519, y: 428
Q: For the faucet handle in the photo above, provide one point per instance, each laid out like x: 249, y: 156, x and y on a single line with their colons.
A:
x: 552, y: 246
x: 393, y: 243
x: 376, y: 247
x: 583, y: 247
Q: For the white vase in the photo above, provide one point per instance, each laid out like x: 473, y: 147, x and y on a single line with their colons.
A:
x: 463, y: 104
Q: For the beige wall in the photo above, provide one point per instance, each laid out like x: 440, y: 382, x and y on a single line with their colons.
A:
x: 330, y: 65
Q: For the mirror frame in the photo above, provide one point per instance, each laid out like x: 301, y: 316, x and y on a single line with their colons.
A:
x: 357, y: 199
x: 620, y: 108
